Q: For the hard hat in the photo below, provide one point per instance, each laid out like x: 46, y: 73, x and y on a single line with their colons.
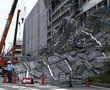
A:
x: 9, y: 61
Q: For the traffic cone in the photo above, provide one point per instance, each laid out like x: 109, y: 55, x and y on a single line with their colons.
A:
x: 87, y: 82
x: 43, y: 80
x: 5, y: 78
x: 14, y: 78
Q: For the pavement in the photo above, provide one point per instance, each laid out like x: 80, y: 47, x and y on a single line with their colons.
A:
x: 8, y: 86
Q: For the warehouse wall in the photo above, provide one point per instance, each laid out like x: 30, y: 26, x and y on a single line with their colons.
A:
x: 35, y: 29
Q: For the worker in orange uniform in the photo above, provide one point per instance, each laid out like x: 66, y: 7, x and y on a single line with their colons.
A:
x: 10, y: 70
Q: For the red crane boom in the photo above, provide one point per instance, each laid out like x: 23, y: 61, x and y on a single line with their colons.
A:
x: 7, y: 26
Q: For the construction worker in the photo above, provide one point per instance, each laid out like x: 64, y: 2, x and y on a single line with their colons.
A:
x: 9, y: 69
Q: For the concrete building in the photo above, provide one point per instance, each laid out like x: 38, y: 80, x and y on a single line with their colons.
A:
x: 45, y: 20
x: 35, y: 29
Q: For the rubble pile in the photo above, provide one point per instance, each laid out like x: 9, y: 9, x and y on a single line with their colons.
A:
x: 79, y: 50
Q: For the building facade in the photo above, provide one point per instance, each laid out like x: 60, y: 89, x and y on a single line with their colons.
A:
x: 45, y: 19
x: 35, y: 29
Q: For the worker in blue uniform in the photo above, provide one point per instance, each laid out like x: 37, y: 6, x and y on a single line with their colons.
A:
x: 10, y: 70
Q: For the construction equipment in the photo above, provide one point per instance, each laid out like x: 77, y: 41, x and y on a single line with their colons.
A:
x: 15, y: 38
x: 6, y: 29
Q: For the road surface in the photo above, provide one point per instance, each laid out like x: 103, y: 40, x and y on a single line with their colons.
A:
x: 39, y: 87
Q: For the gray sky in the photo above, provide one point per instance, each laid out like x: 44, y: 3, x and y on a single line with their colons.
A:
x: 5, y: 6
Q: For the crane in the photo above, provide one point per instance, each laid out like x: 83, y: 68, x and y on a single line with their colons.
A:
x: 15, y: 37
x: 6, y: 29
x: 7, y: 26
